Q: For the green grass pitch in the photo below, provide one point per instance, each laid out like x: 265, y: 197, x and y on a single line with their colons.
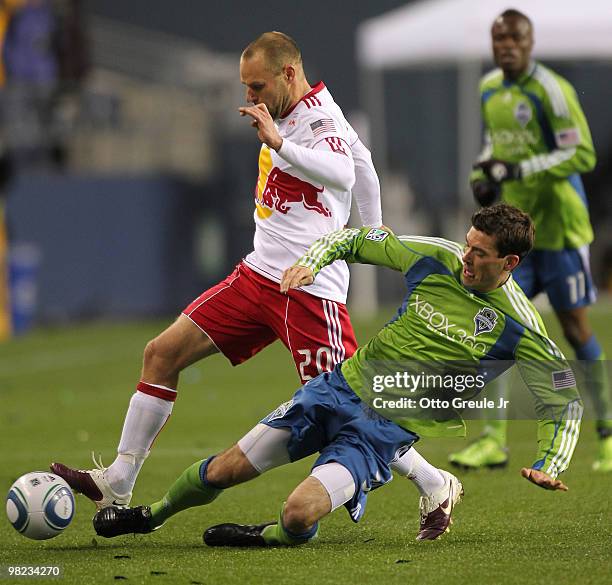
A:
x: 63, y: 393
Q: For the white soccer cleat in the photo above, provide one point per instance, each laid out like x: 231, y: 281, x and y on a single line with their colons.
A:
x: 437, y: 508
x: 92, y: 484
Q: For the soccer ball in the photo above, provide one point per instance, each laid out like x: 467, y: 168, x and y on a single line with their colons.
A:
x: 40, y: 505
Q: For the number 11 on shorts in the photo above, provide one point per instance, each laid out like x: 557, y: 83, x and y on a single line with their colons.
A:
x: 576, y: 284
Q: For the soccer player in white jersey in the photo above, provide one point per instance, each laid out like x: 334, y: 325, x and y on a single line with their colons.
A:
x: 311, y: 161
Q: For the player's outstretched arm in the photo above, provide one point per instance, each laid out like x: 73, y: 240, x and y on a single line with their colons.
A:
x: 543, y: 479
x: 296, y: 276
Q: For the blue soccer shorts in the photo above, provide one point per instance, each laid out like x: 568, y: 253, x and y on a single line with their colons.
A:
x: 564, y: 275
x: 326, y: 416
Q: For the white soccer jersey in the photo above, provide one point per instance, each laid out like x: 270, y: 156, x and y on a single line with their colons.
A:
x: 292, y: 207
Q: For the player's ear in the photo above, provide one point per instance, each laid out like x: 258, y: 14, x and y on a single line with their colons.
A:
x: 289, y: 73
x: 511, y: 262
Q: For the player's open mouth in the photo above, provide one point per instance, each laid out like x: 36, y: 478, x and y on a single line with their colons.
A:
x: 467, y: 273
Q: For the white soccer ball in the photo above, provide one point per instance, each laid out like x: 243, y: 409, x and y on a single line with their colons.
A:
x: 40, y: 505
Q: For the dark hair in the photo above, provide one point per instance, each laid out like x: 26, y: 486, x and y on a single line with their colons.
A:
x: 278, y: 50
x: 514, y: 13
x: 512, y: 228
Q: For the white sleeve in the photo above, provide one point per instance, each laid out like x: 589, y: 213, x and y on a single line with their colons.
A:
x: 329, y: 162
x: 366, y: 189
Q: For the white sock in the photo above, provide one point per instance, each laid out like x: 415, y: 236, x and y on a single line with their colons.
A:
x: 145, y: 417
x: 122, y: 473
x: 419, y: 471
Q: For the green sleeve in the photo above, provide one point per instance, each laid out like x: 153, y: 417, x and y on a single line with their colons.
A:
x: 379, y: 247
x: 574, y: 152
x: 557, y: 402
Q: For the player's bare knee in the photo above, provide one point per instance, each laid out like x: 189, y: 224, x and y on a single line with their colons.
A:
x: 298, y: 514
x: 152, y: 351
x: 159, y: 361
x: 148, y: 353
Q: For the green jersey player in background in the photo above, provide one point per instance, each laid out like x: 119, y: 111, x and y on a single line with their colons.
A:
x: 537, y: 141
x: 461, y: 304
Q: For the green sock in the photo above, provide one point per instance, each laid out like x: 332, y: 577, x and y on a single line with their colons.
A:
x: 277, y: 534
x: 186, y: 492
x: 497, y: 429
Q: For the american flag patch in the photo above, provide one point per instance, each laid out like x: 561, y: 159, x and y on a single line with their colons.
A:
x: 563, y: 379
x: 321, y: 126
x: 568, y: 137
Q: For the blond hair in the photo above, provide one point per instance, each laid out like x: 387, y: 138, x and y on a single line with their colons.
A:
x: 277, y: 48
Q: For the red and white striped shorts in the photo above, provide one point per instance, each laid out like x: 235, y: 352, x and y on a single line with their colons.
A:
x: 245, y: 312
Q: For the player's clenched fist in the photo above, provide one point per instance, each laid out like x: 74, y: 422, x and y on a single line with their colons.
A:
x: 485, y: 192
x: 543, y: 479
x: 296, y: 276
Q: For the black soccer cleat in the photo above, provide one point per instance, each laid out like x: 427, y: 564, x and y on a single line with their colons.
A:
x: 112, y: 521
x: 236, y: 535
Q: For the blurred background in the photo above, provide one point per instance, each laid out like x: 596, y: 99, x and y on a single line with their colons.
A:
x: 126, y: 174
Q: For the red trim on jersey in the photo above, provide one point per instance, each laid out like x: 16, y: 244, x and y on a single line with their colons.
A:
x: 155, y: 391
x: 336, y: 145
x: 335, y: 137
x: 315, y: 89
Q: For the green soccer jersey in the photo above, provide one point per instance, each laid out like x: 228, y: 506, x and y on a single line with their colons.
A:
x: 440, y: 321
x: 537, y: 121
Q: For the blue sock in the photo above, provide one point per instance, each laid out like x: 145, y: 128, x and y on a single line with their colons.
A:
x: 202, y: 472
x: 302, y: 536
x: 589, y: 351
x: 596, y: 383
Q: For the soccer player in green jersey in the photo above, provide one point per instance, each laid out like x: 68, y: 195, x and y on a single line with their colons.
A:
x: 462, y: 304
x: 537, y: 141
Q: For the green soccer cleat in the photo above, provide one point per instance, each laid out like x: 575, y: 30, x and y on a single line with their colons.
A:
x: 603, y: 463
x: 484, y: 452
